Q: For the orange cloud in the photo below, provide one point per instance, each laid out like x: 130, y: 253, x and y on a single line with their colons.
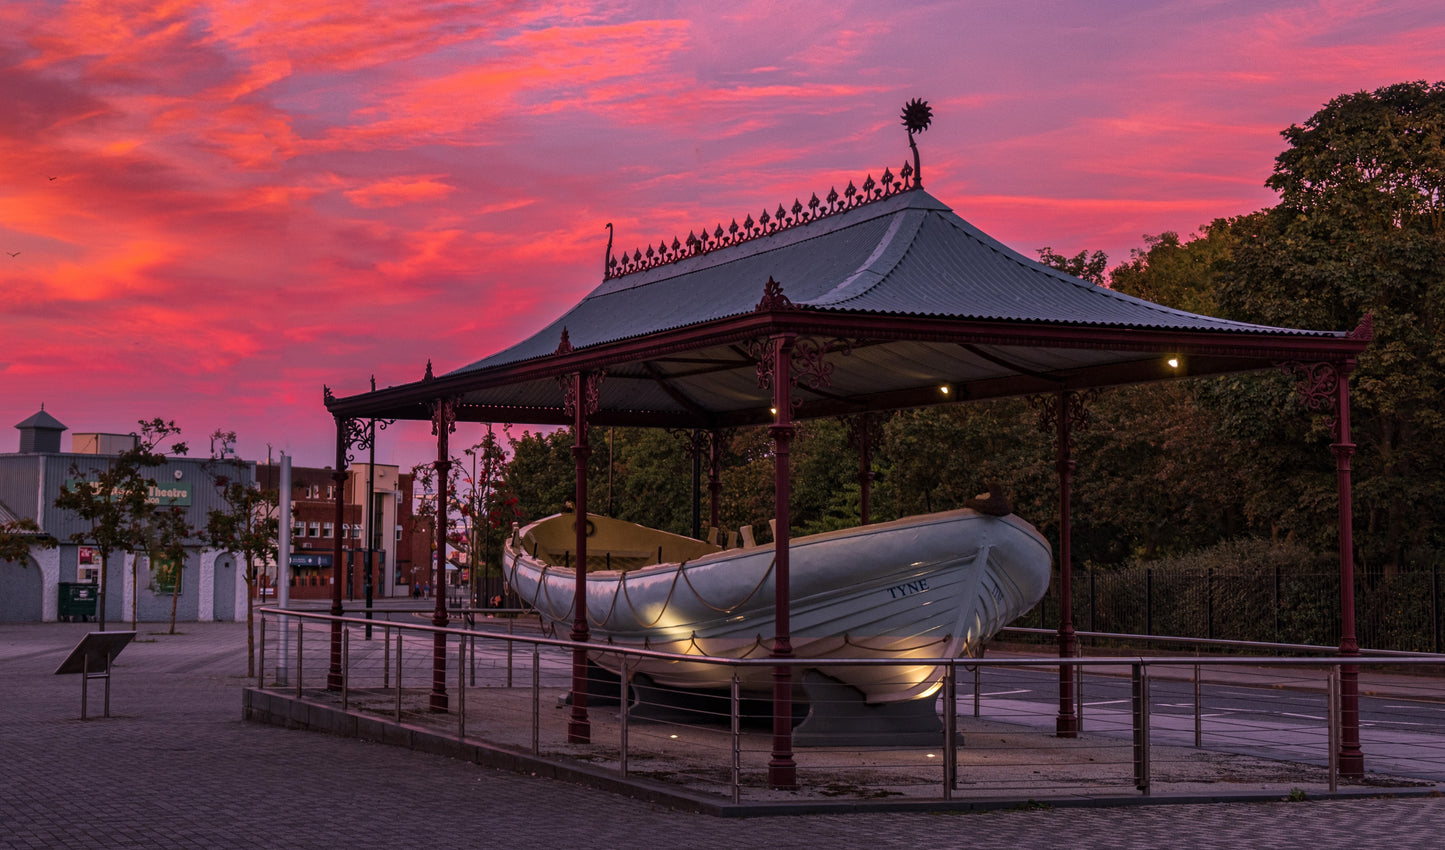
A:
x: 398, y: 191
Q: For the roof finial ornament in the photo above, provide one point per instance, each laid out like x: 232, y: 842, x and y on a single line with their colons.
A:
x: 565, y: 346
x: 917, y: 115
x: 608, y: 263
x: 428, y: 376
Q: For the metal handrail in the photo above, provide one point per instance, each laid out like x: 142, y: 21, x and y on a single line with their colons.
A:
x: 1237, y: 644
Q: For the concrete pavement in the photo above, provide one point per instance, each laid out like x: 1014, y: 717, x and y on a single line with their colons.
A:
x: 176, y: 767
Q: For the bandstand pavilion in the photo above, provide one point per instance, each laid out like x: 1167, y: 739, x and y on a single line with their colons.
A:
x: 871, y: 299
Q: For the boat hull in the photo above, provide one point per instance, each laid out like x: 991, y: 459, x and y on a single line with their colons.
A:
x: 926, y: 587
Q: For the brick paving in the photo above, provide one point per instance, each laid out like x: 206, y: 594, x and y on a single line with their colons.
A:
x: 176, y: 767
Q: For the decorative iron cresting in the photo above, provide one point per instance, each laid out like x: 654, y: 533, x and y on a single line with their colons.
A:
x: 766, y: 224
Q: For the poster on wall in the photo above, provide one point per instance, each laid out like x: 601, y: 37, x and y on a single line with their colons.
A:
x: 87, y: 565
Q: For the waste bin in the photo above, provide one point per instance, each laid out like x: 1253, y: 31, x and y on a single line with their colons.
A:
x: 77, y: 601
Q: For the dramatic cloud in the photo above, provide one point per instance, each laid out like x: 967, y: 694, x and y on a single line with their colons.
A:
x: 216, y: 208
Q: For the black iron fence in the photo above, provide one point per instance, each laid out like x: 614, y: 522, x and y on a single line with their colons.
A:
x: 1401, y: 611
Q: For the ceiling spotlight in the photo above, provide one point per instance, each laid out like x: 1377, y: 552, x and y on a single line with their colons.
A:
x: 945, y: 389
x: 1174, y: 363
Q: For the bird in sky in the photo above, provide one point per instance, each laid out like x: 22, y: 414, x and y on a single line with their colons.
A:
x: 50, y: 178
x: 13, y: 253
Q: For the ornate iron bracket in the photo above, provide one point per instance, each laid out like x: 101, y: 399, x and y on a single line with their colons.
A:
x: 444, y: 415
x: 591, y: 391
x: 1318, y: 387
x: 695, y: 441
x: 1075, y: 409
x: 809, y: 362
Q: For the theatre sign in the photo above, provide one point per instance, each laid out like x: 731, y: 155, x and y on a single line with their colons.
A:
x: 168, y: 495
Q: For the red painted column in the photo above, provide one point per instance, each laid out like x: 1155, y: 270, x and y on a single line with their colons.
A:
x: 1067, y: 725
x: 338, y: 573
x: 714, y: 477
x: 865, y: 467
x: 579, y: 727
x: 1351, y: 757
x: 443, y: 419
x: 782, y: 770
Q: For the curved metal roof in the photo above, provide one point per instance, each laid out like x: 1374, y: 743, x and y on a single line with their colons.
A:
x: 901, y: 296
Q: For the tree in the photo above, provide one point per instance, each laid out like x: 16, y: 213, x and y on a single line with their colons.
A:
x: 1360, y: 229
x: 115, y: 500
x: 248, y: 525
x: 18, y: 536
x: 169, y: 533
x: 1083, y: 265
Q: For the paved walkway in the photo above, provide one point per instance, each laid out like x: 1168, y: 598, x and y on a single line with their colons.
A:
x: 175, y: 767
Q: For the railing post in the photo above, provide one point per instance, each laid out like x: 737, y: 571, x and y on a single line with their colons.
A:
x: 536, y: 698
x: 510, y: 621
x: 1141, y: 727
x: 977, y: 675
x: 345, y: 667
x: 261, y: 657
x: 1198, y: 711
x: 462, y: 688
x: 735, y: 710
x: 399, y: 636
x: 1079, y: 692
x: 386, y: 656
x: 622, y: 719
x: 950, y: 729
x: 1332, y: 709
x: 1435, y: 605
x: 299, y: 633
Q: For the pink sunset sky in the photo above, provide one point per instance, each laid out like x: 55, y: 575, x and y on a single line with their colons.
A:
x: 214, y: 208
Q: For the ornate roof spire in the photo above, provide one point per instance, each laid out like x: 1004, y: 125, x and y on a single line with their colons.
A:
x: 917, y: 115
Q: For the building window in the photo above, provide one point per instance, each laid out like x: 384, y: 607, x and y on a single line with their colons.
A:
x: 298, y: 528
x: 328, y: 529
x: 356, y: 531
x: 345, y: 530
x: 398, y: 534
x: 315, y: 529
x: 330, y: 491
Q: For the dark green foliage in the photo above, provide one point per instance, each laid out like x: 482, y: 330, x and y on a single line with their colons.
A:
x: 18, y: 536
